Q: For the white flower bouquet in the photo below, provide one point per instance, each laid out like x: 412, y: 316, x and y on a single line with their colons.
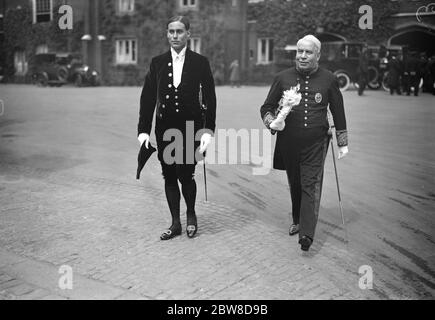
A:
x: 289, y: 99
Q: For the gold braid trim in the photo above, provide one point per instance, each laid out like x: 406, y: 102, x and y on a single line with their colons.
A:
x: 341, y: 137
x: 268, y: 118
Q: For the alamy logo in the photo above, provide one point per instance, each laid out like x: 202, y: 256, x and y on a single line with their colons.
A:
x: 66, y: 20
x: 366, y: 280
x: 366, y: 20
x: 229, y: 146
x: 425, y: 10
x: 66, y: 280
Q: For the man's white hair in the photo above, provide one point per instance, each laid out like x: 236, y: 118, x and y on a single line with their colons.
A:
x: 312, y: 39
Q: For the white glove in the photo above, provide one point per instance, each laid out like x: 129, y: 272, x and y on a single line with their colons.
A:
x: 277, y: 124
x: 342, y: 151
x: 205, y: 141
x: 144, y: 137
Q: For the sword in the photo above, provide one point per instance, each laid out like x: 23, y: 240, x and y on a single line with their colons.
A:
x: 204, y: 109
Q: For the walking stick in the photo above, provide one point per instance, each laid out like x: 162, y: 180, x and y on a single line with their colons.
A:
x: 204, y: 109
x: 338, y: 187
x: 336, y: 179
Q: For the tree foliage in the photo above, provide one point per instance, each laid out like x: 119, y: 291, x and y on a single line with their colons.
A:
x: 287, y: 21
x: 21, y: 34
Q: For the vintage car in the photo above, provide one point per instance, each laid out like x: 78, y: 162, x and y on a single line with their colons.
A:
x: 57, y: 69
x: 341, y: 58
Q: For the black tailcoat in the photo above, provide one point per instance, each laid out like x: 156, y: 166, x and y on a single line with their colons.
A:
x: 177, y: 103
x: 175, y: 106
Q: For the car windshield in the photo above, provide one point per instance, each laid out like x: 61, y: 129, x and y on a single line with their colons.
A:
x: 44, y: 58
x: 332, y: 51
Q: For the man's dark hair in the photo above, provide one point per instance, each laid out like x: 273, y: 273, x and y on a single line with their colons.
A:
x: 181, y: 19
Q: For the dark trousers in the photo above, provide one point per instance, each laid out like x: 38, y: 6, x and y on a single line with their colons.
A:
x: 362, y: 82
x: 411, y: 81
x: 395, y: 89
x: 305, y: 151
x: 183, y: 172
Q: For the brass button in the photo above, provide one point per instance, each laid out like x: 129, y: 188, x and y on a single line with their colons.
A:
x: 169, y: 64
x: 306, y: 118
x: 169, y: 85
x: 163, y: 106
x: 176, y: 103
x: 305, y: 124
x: 306, y: 88
x: 176, y: 90
x: 176, y: 110
x: 170, y: 74
x: 176, y: 97
x: 306, y: 111
x: 306, y: 93
x: 306, y: 105
x: 167, y: 96
x: 306, y: 99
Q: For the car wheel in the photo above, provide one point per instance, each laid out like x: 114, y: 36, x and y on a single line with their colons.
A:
x: 62, y: 74
x: 373, y: 78
x: 78, y: 81
x: 42, y: 81
x: 343, y: 80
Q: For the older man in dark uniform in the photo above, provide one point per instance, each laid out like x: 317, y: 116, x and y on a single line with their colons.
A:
x: 302, y: 145
x: 173, y: 85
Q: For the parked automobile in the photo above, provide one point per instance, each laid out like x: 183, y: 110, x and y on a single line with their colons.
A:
x: 341, y: 58
x: 57, y: 69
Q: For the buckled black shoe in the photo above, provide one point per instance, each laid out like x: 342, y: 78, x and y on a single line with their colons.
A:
x: 170, y: 233
x: 191, y: 230
x: 305, y: 243
x: 192, y: 226
x: 294, y: 229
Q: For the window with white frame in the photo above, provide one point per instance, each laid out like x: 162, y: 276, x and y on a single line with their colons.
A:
x: 126, y: 6
x: 194, y: 44
x: 188, y: 3
x: 265, y: 51
x: 42, y: 10
x: 126, y: 51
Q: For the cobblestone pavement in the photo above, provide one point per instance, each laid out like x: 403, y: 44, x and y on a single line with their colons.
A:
x: 68, y: 197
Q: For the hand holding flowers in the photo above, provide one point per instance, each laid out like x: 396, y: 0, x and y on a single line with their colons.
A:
x: 290, y: 98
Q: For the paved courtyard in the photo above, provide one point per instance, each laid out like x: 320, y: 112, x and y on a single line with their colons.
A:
x: 69, y: 199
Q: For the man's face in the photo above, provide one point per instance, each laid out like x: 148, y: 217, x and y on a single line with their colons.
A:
x: 307, y: 56
x: 177, y: 35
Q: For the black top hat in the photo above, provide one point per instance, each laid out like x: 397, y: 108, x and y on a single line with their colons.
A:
x: 143, y: 156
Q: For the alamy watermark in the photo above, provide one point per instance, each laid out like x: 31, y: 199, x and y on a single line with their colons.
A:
x: 366, y: 280
x: 66, y: 278
x: 66, y: 20
x: 366, y: 20
x: 229, y: 146
x: 425, y: 10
